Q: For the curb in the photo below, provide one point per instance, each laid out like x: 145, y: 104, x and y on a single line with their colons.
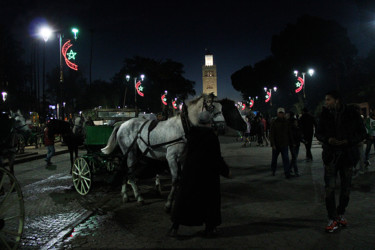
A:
x: 35, y: 156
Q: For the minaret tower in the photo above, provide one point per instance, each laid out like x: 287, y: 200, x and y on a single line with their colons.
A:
x: 209, y: 75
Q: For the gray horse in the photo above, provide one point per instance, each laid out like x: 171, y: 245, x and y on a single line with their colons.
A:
x: 166, y: 140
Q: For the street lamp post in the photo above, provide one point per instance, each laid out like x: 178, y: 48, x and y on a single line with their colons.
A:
x: 45, y: 32
x: 135, y: 91
x: 269, y: 94
x: 301, y: 84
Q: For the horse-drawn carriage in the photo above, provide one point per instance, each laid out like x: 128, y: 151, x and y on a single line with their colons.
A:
x: 94, y: 162
x: 12, y: 210
x: 139, y: 137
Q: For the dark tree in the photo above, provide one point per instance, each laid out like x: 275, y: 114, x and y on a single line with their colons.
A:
x: 160, y: 76
x: 310, y: 42
x: 13, y: 72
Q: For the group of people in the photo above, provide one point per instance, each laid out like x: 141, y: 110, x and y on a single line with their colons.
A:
x: 257, y: 130
x: 340, y: 129
x: 286, y: 134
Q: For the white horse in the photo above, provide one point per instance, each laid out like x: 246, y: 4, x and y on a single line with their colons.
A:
x: 167, y: 140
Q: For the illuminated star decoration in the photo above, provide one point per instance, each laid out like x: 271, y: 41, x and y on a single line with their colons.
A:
x: 140, y: 88
x: 71, y: 55
x: 267, y: 96
x: 298, y: 84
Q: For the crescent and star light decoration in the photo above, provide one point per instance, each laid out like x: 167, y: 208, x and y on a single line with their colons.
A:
x: 164, y: 100
x: 139, y: 88
x: 71, y: 55
x: 299, y: 84
x: 268, y: 96
x: 251, y: 103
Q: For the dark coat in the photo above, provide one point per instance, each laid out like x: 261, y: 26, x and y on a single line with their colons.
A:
x: 280, y: 133
x: 198, y: 197
x: 307, y: 123
x: 345, y: 124
x: 296, y: 133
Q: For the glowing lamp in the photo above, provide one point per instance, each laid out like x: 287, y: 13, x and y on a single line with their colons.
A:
x: 45, y: 32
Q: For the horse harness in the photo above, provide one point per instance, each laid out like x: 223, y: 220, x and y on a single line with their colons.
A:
x: 151, y: 127
x: 186, y: 124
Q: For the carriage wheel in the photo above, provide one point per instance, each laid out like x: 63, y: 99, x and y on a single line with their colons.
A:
x: 12, y: 211
x: 81, y: 175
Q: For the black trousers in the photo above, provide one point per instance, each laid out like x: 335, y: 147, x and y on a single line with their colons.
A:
x: 308, y: 143
x: 339, y: 164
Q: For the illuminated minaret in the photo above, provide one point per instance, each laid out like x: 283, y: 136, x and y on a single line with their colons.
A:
x: 209, y: 75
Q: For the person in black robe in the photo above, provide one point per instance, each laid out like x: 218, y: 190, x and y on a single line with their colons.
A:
x: 198, y: 197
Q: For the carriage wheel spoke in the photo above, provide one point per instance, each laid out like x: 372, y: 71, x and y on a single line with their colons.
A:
x: 5, y: 243
x: 6, y: 198
x: 2, y: 180
x: 11, y: 218
x: 11, y: 233
x: 85, y: 178
x: 83, y: 190
x: 87, y: 185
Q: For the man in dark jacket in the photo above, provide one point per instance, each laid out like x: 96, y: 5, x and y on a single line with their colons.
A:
x: 340, y: 129
x: 280, y: 139
x: 307, y: 123
x: 198, y: 198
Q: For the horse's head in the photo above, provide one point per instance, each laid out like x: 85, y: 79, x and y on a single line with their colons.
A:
x: 232, y: 116
x: 20, y: 121
x: 205, y: 103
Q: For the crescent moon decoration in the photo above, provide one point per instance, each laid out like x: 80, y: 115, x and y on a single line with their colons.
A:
x: 268, y: 96
x: 174, y: 104
x: 299, y: 84
x: 139, y: 88
x: 243, y: 106
x: 164, y: 100
x: 64, y: 50
x: 251, y: 103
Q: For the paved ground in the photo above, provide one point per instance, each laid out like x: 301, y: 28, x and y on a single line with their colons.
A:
x: 259, y: 210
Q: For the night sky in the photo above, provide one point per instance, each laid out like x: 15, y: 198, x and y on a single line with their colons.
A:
x: 237, y: 33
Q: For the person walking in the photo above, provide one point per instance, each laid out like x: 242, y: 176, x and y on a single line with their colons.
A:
x: 264, y: 136
x: 307, y: 124
x: 340, y: 129
x: 247, y: 132
x: 49, y: 142
x: 280, y: 139
x: 259, y: 130
x: 296, y: 136
x: 370, y: 127
x: 198, y: 197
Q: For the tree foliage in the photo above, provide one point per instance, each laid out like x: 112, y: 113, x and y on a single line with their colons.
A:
x: 309, y: 43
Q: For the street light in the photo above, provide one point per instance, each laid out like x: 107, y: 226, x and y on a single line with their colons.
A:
x: 300, y: 85
x: 4, y: 94
x: 269, y: 94
x: 142, y: 76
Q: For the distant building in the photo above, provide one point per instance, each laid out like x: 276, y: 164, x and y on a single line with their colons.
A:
x: 209, y: 75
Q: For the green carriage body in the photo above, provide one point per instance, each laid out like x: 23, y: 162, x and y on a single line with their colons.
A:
x: 94, y: 162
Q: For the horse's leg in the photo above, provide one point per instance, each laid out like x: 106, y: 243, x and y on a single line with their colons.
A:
x: 11, y: 158
x: 158, y: 185
x: 173, y: 165
x: 131, y: 161
x: 125, y: 197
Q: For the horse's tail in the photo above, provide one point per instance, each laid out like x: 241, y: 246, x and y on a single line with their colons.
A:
x: 112, y: 143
